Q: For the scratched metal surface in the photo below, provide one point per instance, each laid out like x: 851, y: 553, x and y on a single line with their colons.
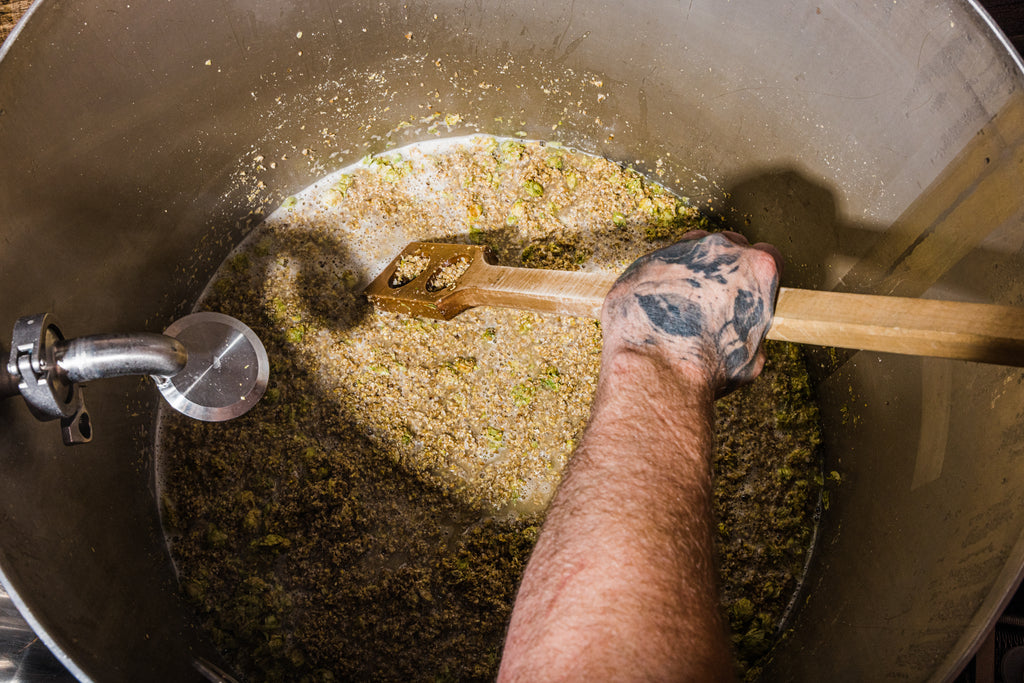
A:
x: 23, y: 657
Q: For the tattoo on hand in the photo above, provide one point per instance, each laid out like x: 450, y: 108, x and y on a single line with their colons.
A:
x: 707, y: 301
x: 673, y: 314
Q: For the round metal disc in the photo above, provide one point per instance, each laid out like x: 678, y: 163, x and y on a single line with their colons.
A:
x: 227, y: 368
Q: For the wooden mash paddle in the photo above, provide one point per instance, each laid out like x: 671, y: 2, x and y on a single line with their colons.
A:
x: 442, y: 280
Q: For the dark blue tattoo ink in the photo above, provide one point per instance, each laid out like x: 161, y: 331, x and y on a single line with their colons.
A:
x: 748, y: 311
x: 696, y: 255
x: 673, y: 314
x: 736, y: 359
x: 680, y: 252
x: 633, y: 267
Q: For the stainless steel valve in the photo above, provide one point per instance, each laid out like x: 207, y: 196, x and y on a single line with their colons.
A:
x: 208, y: 366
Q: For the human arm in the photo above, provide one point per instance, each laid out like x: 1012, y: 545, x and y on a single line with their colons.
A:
x: 622, y: 584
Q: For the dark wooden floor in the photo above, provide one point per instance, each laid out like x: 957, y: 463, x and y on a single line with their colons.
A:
x: 1009, y: 14
x: 10, y: 12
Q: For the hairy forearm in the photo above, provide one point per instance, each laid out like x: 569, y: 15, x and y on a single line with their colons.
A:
x: 622, y: 583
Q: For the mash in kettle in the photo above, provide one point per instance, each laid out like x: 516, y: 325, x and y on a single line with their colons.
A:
x: 371, y: 517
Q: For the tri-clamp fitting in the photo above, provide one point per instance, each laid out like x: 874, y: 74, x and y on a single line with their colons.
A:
x: 213, y: 368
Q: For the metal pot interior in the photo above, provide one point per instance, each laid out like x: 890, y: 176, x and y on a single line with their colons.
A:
x: 880, y: 147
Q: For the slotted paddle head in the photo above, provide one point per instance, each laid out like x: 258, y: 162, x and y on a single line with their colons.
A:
x: 429, y: 280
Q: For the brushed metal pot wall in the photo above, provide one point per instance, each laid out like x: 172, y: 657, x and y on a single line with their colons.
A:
x: 878, y: 144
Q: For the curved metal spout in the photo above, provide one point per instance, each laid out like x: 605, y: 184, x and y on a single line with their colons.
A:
x: 208, y: 366
x: 114, y: 355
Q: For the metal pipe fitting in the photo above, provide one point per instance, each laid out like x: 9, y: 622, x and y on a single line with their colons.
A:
x: 8, y: 381
x: 213, y: 368
x: 115, y: 355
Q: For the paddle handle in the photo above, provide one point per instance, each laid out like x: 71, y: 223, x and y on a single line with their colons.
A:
x: 984, y: 333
